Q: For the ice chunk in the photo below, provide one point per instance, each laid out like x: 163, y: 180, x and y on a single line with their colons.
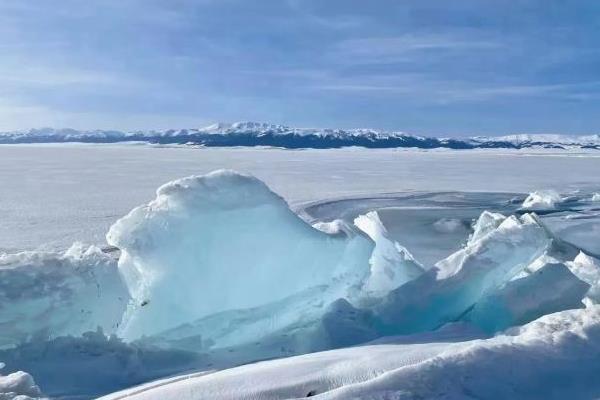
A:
x: 587, y: 268
x: 303, y: 323
x: 391, y: 264
x: 448, y: 225
x: 444, y: 293
x: 224, y: 241
x: 487, y: 222
x: 335, y: 227
x: 542, y: 200
x: 52, y: 294
x: 19, y: 386
x: 540, y: 262
x: 550, y: 289
x: 596, y: 197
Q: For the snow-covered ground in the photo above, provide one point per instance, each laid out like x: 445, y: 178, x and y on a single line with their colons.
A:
x: 425, y: 273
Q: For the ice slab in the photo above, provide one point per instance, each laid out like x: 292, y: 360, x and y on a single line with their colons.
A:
x: 587, y: 268
x: 443, y: 294
x: 391, y: 264
x: 550, y: 289
x: 225, y: 241
x: 49, y: 294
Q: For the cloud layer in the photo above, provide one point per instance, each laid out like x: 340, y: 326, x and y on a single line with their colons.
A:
x: 422, y: 66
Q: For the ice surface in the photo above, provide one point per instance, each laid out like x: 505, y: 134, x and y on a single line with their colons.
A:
x: 221, y: 242
x: 542, y: 200
x: 81, y: 201
x: 47, y: 294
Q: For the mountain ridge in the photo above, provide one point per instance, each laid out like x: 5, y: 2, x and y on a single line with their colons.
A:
x: 274, y: 135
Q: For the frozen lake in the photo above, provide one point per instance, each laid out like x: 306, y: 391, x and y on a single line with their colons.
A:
x: 53, y: 195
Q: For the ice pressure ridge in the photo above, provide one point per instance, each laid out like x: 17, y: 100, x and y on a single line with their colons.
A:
x: 219, y: 266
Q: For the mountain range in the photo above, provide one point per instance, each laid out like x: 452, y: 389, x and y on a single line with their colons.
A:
x: 273, y: 135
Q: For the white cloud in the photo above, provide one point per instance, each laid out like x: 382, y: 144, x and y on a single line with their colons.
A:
x: 405, y: 47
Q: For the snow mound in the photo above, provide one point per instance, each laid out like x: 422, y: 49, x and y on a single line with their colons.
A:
x: 554, y: 357
x: 224, y: 241
x: 45, y: 294
x: 391, y: 264
x: 542, y: 200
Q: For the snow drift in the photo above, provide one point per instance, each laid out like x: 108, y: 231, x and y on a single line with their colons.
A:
x: 554, y: 357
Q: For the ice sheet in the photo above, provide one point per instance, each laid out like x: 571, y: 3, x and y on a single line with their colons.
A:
x: 60, y: 194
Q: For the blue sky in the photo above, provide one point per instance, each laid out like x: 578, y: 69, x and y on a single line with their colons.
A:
x: 430, y: 67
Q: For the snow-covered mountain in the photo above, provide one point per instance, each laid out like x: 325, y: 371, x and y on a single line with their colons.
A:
x: 265, y: 134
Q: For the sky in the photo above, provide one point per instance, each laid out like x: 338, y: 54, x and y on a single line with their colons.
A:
x: 449, y: 68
